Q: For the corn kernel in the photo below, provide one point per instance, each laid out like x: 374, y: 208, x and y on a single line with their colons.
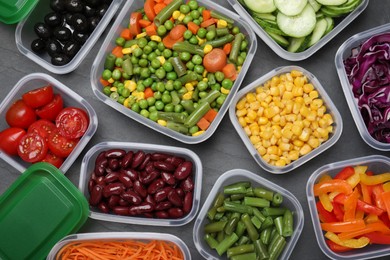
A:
x: 111, y: 80
x: 307, y: 88
x: 299, y: 82
x: 161, y: 59
x: 313, y: 142
x: 131, y: 85
x: 298, y: 143
x: 274, y: 157
x: 262, y: 120
x: 221, y: 23
x: 241, y: 104
x: 189, y: 86
x: 254, y: 139
x: 200, y: 40
x: 141, y: 35
x: 188, y: 95
x: 241, y: 112
x: 296, y: 73
x: 239, y: 69
x: 224, y: 90
x: 162, y: 122
x: 126, y: 50
x: 285, y: 146
x: 242, y: 121
x: 328, y: 118
x: 113, y: 89
x: 280, y: 163
x: 207, y: 48
x: 181, y: 17
x: 155, y: 38
x: 313, y: 94
x: 198, y: 133
x: 250, y: 97
x: 296, y: 129
x: 261, y: 150
x: 274, y: 91
x: 251, y: 114
x: 247, y: 131
x: 305, y: 149
x: 293, y: 155
x: 176, y: 14
x: 126, y: 102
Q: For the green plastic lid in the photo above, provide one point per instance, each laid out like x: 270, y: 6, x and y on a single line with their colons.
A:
x: 12, y: 11
x: 41, y: 207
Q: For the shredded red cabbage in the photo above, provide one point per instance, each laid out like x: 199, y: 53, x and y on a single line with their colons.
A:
x: 368, y: 71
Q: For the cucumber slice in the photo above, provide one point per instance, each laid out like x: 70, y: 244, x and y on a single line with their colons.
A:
x: 279, y: 39
x: 330, y: 22
x: 290, y: 7
x: 316, y: 6
x: 331, y: 2
x: 261, y: 6
x: 267, y: 17
x: 298, y: 25
x: 269, y: 27
x: 318, y: 32
x: 298, y: 44
x: 345, y: 8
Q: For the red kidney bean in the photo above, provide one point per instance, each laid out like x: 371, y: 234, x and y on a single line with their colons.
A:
x: 151, y: 200
x: 145, y: 207
x: 100, y: 180
x: 160, y: 156
x: 140, y: 189
x: 96, y: 195
x: 155, y: 186
x: 138, y: 158
x: 91, y: 184
x: 175, y: 212
x: 180, y: 192
x: 148, y: 215
x: 103, y: 207
x: 175, y: 198
x: 113, y: 163
x: 121, y: 210
x: 145, y: 161
x: 163, y: 205
x: 133, y: 174
x: 187, y: 184
x: 160, y: 195
x: 187, y: 202
x: 150, y: 177
x: 183, y: 170
x: 168, y: 178
x: 115, y: 153
x: 127, y: 159
x: 132, y: 197
x: 100, y: 158
x: 113, y: 201
x: 149, y: 167
x: 111, y: 177
x: 99, y: 170
x: 164, y: 166
x: 161, y: 214
x: 175, y: 160
x: 126, y: 180
x: 142, y: 174
x: 123, y: 202
x: 115, y: 188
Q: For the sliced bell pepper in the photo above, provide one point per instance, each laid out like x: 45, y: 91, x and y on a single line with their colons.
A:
x: 345, y: 173
x: 338, y: 211
x: 350, y: 205
x: 385, y: 219
x: 386, y: 200
x: 366, y: 193
x: 386, y: 186
x: 337, y: 248
x: 359, y: 214
x: 371, y: 218
x: 340, y: 186
x: 361, y: 205
x: 377, y: 226
x: 352, y: 180
x: 325, y: 201
x: 378, y: 238
x: 345, y: 226
x: 351, y: 243
x: 375, y: 179
x: 377, y: 191
x: 324, y: 215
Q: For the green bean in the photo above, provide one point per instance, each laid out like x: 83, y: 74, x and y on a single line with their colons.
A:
x: 279, y: 225
x: 242, y: 249
x: 220, y: 236
x: 195, y: 94
x: 167, y: 12
x: 288, y: 223
x: 268, y: 222
x: 219, y: 200
x: 243, y: 241
x: 249, y: 192
x: 190, y: 76
x: 175, y: 98
x: 256, y: 222
x: 277, y: 248
x: 109, y: 63
x: 221, y: 209
x: 221, y: 31
x: 177, y: 127
x: 188, y: 47
x: 232, y: 206
x: 237, y: 196
x: 252, y: 232
x: 212, y: 242
x: 236, y: 188
x: 258, y: 214
x: 256, y: 202
x: 226, y: 243
x: 236, y: 46
x: 277, y: 200
x: 178, y: 66
x: 219, y: 41
x: 127, y: 67
x: 274, y: 238
x: 261, y: 249
x: 265, y: 235
x: 219, y: 215
x: 263, y: 193
x: 171, y: 116
x: 240, y: 228
x: 211, y: 28
x: 217, y: 15
x: 231, y: 225
x: 197, y: 114
x: 211, y: 96
x: 188, y: 105
x: 211, y: 79
x: 273, y: 211
x: 130, y: 43
x: 211, y: 213
x: 214, y: 227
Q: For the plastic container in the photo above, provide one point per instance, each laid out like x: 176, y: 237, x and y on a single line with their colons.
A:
x: 38, y: 209
x: 236, y: 175
x: 283, y: 53
x: 121, y: 22
x: 377, y: 164
x: 70, y: 98
x: 13, y: 11
x: 24, y: 35
x: 344, y: 52
x: 331, y: 108
x: 88, y: 165
x: 119, y: 236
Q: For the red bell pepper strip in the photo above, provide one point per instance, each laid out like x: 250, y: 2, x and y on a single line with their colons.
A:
x: 337, y: 248
x: 324, y: 215
x: 385, y: 219
x: 338, y: 211
x: 361, y: 205
x: 378, y: 238
x: 377, y: 226
x: 345, y: 226
x: 386, y: 200
x: 345, y: 173
x: 332, y: 185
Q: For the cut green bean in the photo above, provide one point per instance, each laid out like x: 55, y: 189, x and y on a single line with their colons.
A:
x: 188, y: 47
x: 226, y: 243
x: 234, y: 197
x: 236, y: 188
x: 249, y: 192
x: 231, y: 225
x: 256, y: 222
x: 219, y: 215
x: 177, y: 127
x: 279, y: 225
x: 247, y: 256
x: 218, y: 15
x: 258, y: 214
x: 256, y: 202
x: 214, y: 227
x: 273, y: 211
x: 178, y: 66
x: 261, y: 249
x: 240, y: 228
x: 190, y: 76
x: 242, y: 249
x: 188, y: 105
x: 235, y: 207
x: 127, y: 67
x: 268, y: 222
x: 263, y: 193
x: 265, y: 235
x: 197, y: 114
x: 109, y: 63
x: 211, y: 241
x: 288, y: 223
x: 175, y: 98
x: 221, y: 31
x: 220, y: 236
x: 243, y: 240
x: 236, y: 46
x: 219, y: 42
x: 250, y: 228
x: 211, y: 213
x: 211, y: 96
x: 130, y: 43
x: 277, y: 248
x: 172, y: 116
x: 277, y: 200
x: 167, y: 12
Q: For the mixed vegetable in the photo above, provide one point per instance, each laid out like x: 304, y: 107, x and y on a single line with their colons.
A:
x: 298, y: 25
x: 354, y: 208
x: 367, y: 69
x: 41, y: 128
x: 175, y: 64
x: 285, y: 118
x: 248, y: 223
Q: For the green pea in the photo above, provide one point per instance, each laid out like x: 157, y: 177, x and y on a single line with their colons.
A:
x: 152, y: 109
x: 171, y: 75
x: 151, y: 101
x: 167, y: 53
x: 197, y: 59
x: 155, y: 63
x: 161, y: 30
x: 118, y: 62
x: 193, y: 4
x: 143, y: 104
x: 240, y: 60
x: 137, y: 70
x: 145, y: 73
x: 202, y: 94
x: 107, y: 90
x: 137, y: 52
x: 219, y: 76
x: 121, y: 100
x: 106, y: 74
x: 153, y: 44
x: 142, y: 42
x: 160, y: 46
x: 166, y: 99
x: 114, y: 96
x: 147, y: 49
x: 152, y: 56
x: 148, y: 82
x: 227, y: 83
x: 213, y: 104
x: 125, y: 92
x: 157, y: 94
x: 202, y: 85
x: 199, y: 69
x: 116, y: 74
x: 195, y: 14
x: 188, y: 18
x: 168, y: 25
x: 175, y: 54
x: 185, y: 56
x: 144, y: 113
x: 153, y: 115
x: 160, y: 73
x: 243, y: 54
x: 159, y: 105
x: 152, y: 70
x: 169, y: 108
x: 216, y: 86
x: 134, y: 60
x: 190, y: 65
x: 221, y: 99
x: 120, y: 85
x: 194, y: 40
x: 143, y: 63
x: 169, y: 85
x: 125, y: 75
x: 140, y: 87
x: 177, y: 84
x: 235, y: 30
x: 160, y: 86
x: 202, y: 33
x: 187, y: 34
x: 193, y: 129
x: 197, y: 21
x: 167, y: 66
x: 182, y: 91
x: 120, y: 41
x: 144, y: 56
x: 243, y: 46
x: 185, y: 9
x: 178, y: 108
x: 210, y: 35
x: 135, y: 107
x: 115, y: 84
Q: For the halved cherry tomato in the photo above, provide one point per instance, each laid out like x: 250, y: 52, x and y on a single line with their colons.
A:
x: 20, y: 115
x: 39, y: 97
x: 43, y: 127
x: 60, y: 145
x: 9, y: 139
x: 72, y: 122
x: 53, y: 159
x: 51, y: 110
x: 32, y: 148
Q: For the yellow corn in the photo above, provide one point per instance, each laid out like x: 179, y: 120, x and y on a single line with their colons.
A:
x: 181, y: 17
x: 188, y: 95
x: 131, y: 85
x: 155, y: 38
x: 189, y: 86
x: 126, y: 50
x: 176, y: 14
x: 161, y: 59
x: 207, y: 48
x: 224, y: 90
x: 162, y: 122
x: 113, y: 89
x: 111, y: 80
x: 221, y: 23
x: 126, y: 102
x: 141, y: 35
x: 198, y: 133
x: 200, y: 40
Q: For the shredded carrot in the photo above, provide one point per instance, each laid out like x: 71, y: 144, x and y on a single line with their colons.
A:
x: 104, y: 82
x: 151, y: 29
x: 120, y: 249
x: 210, y: 115
x: 144, y: 23
x: 148, y: 92
x: 125, y: 34
x: 206, y: 15
x: 158, y: 7
x: 193, y: 27
x: 117, y: 51
x: 227, y: 48
x: 230, y: 71
x: 203, y: 123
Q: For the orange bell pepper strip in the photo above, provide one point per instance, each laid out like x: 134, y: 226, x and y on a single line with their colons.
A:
x: 345, y: 226
x: 377, y: 191
x: 375, y: 179
x: 386, y: 200
x: 332, y: 185
x: 378, y: 226
x: 350, y: 205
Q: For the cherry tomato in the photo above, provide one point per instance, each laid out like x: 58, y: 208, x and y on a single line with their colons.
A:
x: 32, y: 148
x: 72, y: 122
x: 43, y: 127
x: 39, y: 97
x: 60, y: 145
x: 51, y: 110
x: 20, y: 115
x: 9, y: 139
x: 53, y: 159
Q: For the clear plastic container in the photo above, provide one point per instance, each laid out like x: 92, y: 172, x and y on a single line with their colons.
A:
x: 344, y: 52
x: 377, y: 164
x: 13, y: 11
x: 121, y: 22
x: 331, y: 108
x: 236, y: 175
x: 283, y: 53
x: 88, y: 165
x: 24, y: 35
x: 70, y: 98
x: 119, y: 236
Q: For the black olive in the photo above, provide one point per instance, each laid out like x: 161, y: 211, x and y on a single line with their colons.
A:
x: 79, y: 22
x: 57, y: 5
x: 80, y: 37
x: 93, y: 2
x: 74, y: 6
x: 59, y: 59
x: 93, y: 22
x: 89, y: 11
x: 53, y: 47
x: 42, y: 30
x: 53, y: 19
x: 68, y: 18
x: 62, y: 33
x: 71, y: 48
x: 101, y: 10
x: 38, y: 46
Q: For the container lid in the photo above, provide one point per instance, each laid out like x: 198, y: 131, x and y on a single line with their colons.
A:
x: 12, y: 11
x: 37, y: 210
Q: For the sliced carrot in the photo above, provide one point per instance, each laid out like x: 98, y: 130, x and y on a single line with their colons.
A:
x: 149, y: 9
x: 134, y: 26
x: 227, y: 48
x: 104, y: 82
x: 148, y: 93
x: 169, y: 42
x: 193, y: 27
x: 151, y: 29
x: 125, y: 34
x: 230, y: 71
x: 206, y: 14
x: 210, y: 115
x: 159, y: 1
x: 177, y: 32
x: 207, y: 23
x: 203, y: 123
x: 144, y: 23
x: 167, y: 2
x: 158, y: 7
x: 117, y: 51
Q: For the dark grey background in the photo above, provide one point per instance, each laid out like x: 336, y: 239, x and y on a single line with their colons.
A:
x: 224, y: 150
